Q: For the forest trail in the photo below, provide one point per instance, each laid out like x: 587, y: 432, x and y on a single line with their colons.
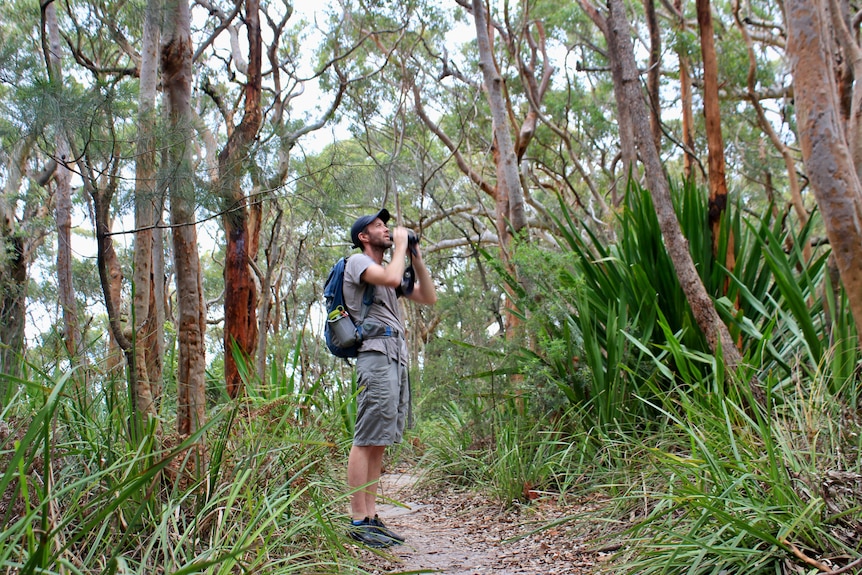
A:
x: 462, y: 533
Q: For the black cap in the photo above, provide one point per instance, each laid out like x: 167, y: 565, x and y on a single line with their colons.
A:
x: 361, y: 223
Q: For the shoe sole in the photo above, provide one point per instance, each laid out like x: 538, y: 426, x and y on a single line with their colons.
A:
x: 389, y: 534
x: 372, y: 539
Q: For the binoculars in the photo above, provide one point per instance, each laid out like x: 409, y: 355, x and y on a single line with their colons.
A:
x: 412, y: 238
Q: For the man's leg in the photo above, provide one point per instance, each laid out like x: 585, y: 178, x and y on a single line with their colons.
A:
x: 375, y: 467
x: 376, y: 424
x: 363, y: 468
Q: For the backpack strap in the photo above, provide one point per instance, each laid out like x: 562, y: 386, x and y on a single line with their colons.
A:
x: 367, y: 302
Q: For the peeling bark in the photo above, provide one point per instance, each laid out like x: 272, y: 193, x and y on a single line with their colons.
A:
x: 176, y: 61
x: 241, y: 221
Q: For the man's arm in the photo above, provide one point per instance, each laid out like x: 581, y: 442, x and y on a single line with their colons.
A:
x: 391, y: 274
x: 424, y: 292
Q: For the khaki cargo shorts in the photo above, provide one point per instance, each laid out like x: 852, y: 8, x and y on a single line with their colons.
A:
x: 383, y: 400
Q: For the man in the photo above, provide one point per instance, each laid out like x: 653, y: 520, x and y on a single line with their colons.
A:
x: 381, y: 367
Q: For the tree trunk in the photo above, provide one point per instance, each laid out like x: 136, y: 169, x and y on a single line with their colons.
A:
x: 685, y: 98
x: 509, y: 189
x: 654, y: 72
x: 63, y: 181
x: 13, y: 269
x: 274, y: 256
x: 625, y: 125
x: 242, y: 227
x: 158, y: 300
x: 825, y: 152
x: 712, y: 113
x: 115, y: 364
x: 110, y: 275
x: 176, y: 58
x: 625, y: 129
x: 717, y: 334
x: 774, y: 137
x: 144, y: 326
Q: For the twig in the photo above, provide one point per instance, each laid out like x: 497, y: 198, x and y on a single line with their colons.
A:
x: 803, y: 557
x: 846, y: 568
x: 826, y: 570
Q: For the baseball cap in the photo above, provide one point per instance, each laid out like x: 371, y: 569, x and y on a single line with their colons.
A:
x: 362, y: 222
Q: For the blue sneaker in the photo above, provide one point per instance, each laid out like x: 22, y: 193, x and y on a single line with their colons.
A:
x: 367, y: 534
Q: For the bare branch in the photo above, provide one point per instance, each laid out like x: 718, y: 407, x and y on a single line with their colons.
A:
x: 453, y: 148
x: 225, y: 21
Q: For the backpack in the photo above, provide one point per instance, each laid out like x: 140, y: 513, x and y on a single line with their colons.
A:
x: 343, y: 335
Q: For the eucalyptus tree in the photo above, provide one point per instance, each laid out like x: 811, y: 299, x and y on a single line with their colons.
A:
x: 829, y: 138
x: 53, y: 54
x: 26, y: 199
x: 714, y: 138
x: 241, y: 233
x: 749, y: 28
x: 24, y: 211
x: 176, y: 67
x: 102, y: 41
x: 509, y: 194
x: 148, y: 300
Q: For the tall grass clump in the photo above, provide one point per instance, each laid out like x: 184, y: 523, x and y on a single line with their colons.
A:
x: 609, y: 299
x: 251, y: 491
x: 741, y: 487
x: 594, y: 305
x: 512, y: 456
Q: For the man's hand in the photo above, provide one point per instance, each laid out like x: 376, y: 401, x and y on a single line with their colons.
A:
x: 425, y: 291
x: 398, y: 235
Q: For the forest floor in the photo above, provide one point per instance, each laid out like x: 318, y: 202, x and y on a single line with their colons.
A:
x: 463, y: 533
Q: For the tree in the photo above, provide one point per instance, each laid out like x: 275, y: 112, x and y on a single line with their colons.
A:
x: 241, y: 221
x: 787, y: 154
x: 510, y: 196
x: 712, y: 113
x: 685, y: 95
x: 254, y: 162
x: 148, y: 328
x: 62, y: 180
x: 654, y: 72
x: 13, y: 265
x: 625, y: 122
x: 825, y: 151
x: 176, y: 65
x: 20, y: 235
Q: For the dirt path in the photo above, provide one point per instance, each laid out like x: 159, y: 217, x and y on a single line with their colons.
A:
x: 460, y: 533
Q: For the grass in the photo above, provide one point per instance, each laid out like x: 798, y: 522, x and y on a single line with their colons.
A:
x: 78, y: 500
x: 711, y: 480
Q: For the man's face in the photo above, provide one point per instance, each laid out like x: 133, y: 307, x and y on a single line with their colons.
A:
x: 378, y: 234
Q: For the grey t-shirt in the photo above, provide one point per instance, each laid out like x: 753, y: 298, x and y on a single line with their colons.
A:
x: 385, y: 309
